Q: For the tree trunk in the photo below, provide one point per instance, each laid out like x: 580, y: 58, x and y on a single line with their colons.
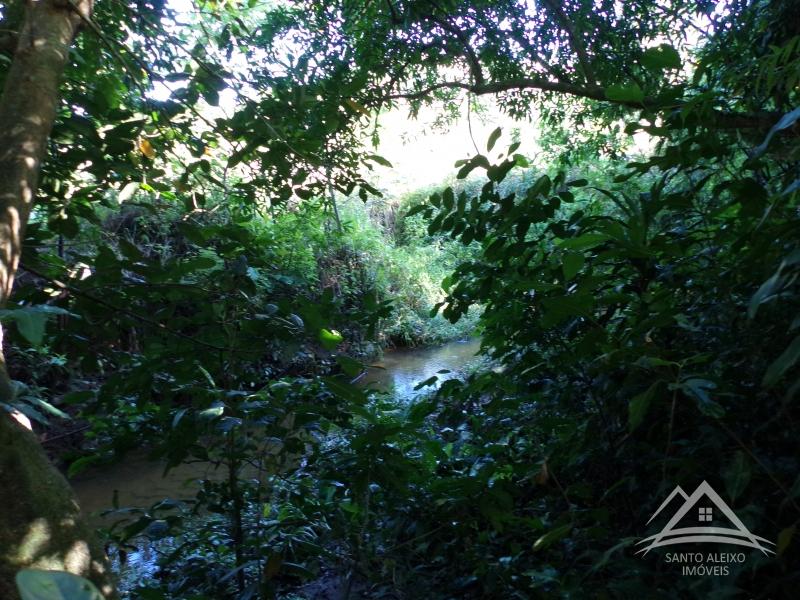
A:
x: 40, y: 522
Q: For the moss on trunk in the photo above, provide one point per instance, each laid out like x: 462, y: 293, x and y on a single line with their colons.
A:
x: 40, y: 522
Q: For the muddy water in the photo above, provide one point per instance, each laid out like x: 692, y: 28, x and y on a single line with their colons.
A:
x: 139, y: 482
x: 401, y: 370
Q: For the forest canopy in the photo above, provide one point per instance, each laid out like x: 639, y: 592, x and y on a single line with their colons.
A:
x: 202, y: 260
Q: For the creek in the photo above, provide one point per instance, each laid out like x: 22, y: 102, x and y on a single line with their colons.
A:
x: 140, y: 482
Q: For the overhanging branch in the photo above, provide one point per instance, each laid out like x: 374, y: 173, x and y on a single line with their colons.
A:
x: 720, y: 119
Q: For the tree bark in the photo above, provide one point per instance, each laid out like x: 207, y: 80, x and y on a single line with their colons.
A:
x: 28, y: 108
x: 40, y: 522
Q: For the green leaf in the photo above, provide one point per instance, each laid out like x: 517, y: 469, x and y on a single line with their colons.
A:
x: 77, y: 397
x: 521, y: 161
x: 297, y: 570
x: 651, y: 362
x: 31, y: 320
x: 196, y: 264
x: 625, y: 93
x: 419, y: 410
x: 427, y: 382
x: 698, y: 388
x: 661, y: 57
x: 178, y: 416
x: 784, y: 362
x: 765, y: 291
x: 47, y: 407
x: 350, y: 507
x: 129, y: 251
x: 345, y: 391
x: 473, y: 163
x: 737, y: 475
x: 330, y: 339
x: 31, y: 324
x: 211, y: 413
x: 585, y: 241
x: 207, y: 375
x: 350, y: 366
x: 35, y: 584
x: 639, y: 405
x: 416, y: 209
x: 571, y: 264
x: 82, y: 464
x: 495, y: 135
x: 785, y: 121
x: 552, y: 536
x: 196, y: 235
x: 559, y: 308
x: 379, y: 159
x: 785, y: 538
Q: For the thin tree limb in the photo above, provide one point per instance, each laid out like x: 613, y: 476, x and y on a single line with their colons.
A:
x: 575, y: 41
x: 472, y: 58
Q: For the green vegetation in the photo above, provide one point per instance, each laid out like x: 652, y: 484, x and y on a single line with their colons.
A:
x: 214, y: 259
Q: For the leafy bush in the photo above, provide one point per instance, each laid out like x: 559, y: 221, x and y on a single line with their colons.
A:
x: 624, y: 326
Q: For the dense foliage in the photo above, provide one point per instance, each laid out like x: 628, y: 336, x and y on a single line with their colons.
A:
x: 207, y: 278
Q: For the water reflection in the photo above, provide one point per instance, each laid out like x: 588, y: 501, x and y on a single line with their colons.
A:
x: 404, y: 369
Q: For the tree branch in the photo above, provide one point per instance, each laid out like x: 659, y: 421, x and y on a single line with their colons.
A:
x: 472, y: 58
x: 575, y: 41
x: 525, y: 83
x: 764, y: 120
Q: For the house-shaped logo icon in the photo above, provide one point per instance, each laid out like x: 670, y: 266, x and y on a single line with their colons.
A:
x: 669, y: 535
